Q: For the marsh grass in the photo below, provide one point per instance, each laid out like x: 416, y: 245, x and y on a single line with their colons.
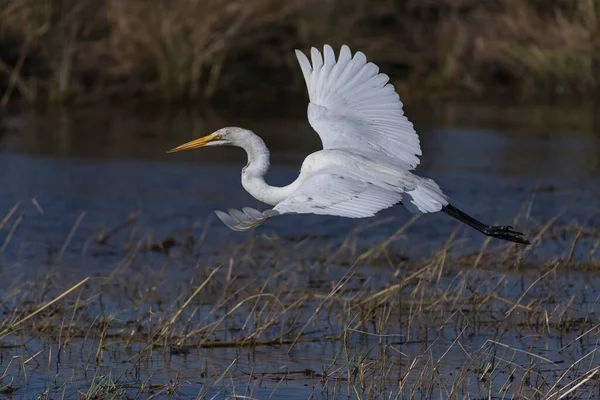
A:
x: 57, y: 51
x: 561, y: 53
x: 271, y: 316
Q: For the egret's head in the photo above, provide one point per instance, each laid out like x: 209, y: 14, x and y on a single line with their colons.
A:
x: 230, y: 136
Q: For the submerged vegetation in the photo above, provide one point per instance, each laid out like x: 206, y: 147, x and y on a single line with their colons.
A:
x: 274, y: 317
x: 88, y: 50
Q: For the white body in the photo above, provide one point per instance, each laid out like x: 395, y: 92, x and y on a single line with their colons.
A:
x: 369, y: 148
x: 369, y: 151
x: 342, y: 183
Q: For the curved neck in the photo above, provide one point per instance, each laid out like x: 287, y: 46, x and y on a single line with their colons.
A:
x: 253, y: 174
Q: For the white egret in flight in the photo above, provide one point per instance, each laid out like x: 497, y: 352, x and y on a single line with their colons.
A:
x: 369, y: 151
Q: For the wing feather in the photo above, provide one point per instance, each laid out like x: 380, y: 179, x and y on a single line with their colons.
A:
x: 333, y: 191
x: 354, y: 107
x: 304, y: 65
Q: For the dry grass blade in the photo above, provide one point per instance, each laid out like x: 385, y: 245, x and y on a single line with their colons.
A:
x: 338, y: 286
x: 559, y: 381
x: 70, y: 236
x: 517, y: 303
x: 15, y: 325
x: 544, y: 359
x: 577, y: 384
x: 543, y: 231
x: 9, y: 215
x: 11, y: 232
x: 172, y: 320
x: 391, y: 290
x: 377, y: 250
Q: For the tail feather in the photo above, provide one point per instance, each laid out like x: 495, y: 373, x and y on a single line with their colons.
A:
x: 426, y: 198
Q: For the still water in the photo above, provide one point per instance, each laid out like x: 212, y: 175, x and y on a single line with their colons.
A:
x: 518, y: 165
x: 69, y: 176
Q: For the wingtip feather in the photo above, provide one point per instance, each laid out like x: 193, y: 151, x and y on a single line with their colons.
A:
x: 329, y: 55
x: 305, y: 65
x: 317, y: 59
x: 352, y: 83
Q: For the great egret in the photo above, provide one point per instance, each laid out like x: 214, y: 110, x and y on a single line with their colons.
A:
x: 369, y: 149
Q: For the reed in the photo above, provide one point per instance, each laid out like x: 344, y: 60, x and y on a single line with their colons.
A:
x: 57, y: 51
x: 345, y: 320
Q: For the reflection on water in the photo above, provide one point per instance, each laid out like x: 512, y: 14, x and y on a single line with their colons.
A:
x: 536, y: 142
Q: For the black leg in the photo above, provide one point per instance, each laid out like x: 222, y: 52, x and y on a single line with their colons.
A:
x: 501, y: 232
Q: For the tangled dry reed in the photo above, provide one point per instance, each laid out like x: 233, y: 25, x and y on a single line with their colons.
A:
x: 305, y: 317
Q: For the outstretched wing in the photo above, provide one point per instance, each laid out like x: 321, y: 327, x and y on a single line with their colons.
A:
x: 352, y: 106
x: 333, y: 191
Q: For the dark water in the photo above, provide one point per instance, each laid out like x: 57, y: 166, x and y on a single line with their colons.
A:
x: 72, y: 175
x: 503, y: 165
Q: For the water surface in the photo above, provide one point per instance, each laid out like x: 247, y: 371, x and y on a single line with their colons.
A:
x: 71, y: 176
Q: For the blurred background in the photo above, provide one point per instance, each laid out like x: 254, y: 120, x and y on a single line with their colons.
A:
x: 70, y: 51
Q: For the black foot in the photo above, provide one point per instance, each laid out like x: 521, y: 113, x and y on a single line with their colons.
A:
x: 505, y: 232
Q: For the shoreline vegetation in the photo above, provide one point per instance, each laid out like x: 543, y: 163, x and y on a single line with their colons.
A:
x: 88, y: 51
x: 175, y: 315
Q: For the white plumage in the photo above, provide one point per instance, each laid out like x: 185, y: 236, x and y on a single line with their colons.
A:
x: 352, y: 106
x: 369, y: 149
x: 335, y: 191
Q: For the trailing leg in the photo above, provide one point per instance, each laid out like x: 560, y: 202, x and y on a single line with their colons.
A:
x: 503, y: 232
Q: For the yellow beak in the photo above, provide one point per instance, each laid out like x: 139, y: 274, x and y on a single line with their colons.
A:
x: 194, y: 144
